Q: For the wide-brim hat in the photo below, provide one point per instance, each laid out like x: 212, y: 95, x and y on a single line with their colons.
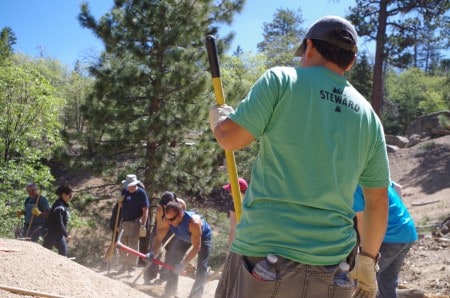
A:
x: 133, y: 183
x: 130, y: 180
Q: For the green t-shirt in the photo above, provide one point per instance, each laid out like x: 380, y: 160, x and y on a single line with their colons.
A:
x: 318, y: 139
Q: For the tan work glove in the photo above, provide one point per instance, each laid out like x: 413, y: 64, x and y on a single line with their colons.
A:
x: 20, y: 213
x: 217, y: 114
x: 35, y: 211
x: 364, y: 273
x: 142, y: 231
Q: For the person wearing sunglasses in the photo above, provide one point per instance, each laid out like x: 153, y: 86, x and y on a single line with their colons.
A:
x: 190, y: 228
x: 57, y: 235
x: 162, y: 224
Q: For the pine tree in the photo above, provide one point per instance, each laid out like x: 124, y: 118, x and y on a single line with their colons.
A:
x: 282, y: 36
x: 153, y: 92
x: 360, y: 76
x: 393, y: 25
x: 7, y: 40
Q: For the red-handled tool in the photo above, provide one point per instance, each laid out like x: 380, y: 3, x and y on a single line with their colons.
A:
x: 132, y: 251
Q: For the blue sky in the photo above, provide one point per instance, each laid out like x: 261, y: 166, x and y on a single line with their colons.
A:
x: 51, y: 27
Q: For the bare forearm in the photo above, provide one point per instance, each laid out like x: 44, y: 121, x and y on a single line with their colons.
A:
x: 374, y: 220
x: 144, y: 216
x: 231, y: 136
x: 191, y: 255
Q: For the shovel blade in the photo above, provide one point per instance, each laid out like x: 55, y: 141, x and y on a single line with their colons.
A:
x: 109, y: 254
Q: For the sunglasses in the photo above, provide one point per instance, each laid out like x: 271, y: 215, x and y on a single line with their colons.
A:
x: 173, y: 218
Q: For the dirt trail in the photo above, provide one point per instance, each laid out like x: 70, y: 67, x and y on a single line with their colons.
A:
x: 423, y: 170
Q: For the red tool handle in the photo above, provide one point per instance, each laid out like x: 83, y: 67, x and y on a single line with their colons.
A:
x: 132, y: 251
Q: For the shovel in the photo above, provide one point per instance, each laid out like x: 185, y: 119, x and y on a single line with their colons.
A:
x: 112, y: 248
x: 149, y: 263
x: 211, y: 49
x: 32, y: 217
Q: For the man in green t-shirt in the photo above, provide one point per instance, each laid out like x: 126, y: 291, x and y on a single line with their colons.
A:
x: 318, y: 137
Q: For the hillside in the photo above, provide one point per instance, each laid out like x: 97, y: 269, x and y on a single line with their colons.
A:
x: 424, y: 173
x: 423, y: 170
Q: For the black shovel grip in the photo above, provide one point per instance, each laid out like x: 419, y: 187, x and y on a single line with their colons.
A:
x: 211, y: 48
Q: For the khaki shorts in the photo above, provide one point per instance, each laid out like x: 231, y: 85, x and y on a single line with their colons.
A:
x: 293, y: 280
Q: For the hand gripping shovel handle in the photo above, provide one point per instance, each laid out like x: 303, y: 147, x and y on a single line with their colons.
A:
x: 32, y: 217
x: 132, y: 251
x: 211, y: 48
x: 148, y: 264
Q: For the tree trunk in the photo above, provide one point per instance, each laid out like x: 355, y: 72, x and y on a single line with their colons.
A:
x: 377, y: 89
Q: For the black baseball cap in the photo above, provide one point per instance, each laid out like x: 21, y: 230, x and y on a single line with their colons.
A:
x: 333, y: 29
x: 167, y: 197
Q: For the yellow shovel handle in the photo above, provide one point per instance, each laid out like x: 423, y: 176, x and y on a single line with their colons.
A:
x: 220, y: 100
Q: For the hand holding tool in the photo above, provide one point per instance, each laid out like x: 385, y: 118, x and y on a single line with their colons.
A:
x: 364, y: 272
x: 32, y: 217
x: 179, y: 268
x: 35, y: 211
x: 132, y: 251
x: 217, y: 114
x: 149, y: 256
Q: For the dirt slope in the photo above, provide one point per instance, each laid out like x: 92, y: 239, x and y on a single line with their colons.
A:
x: 423, y: 170
x: 27, y: 265
x: 424, y: 173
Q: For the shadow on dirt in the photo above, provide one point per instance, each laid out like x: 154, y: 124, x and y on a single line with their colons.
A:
x: 433, y: 168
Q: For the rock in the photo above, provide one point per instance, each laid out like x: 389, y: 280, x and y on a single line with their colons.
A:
x: 392, y: 148
x: 398, y: 141
x: 410, y: 293
x: 440, y: 132
x: 445, y: 227
x: 413, y: 140
x: 430, y: 124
